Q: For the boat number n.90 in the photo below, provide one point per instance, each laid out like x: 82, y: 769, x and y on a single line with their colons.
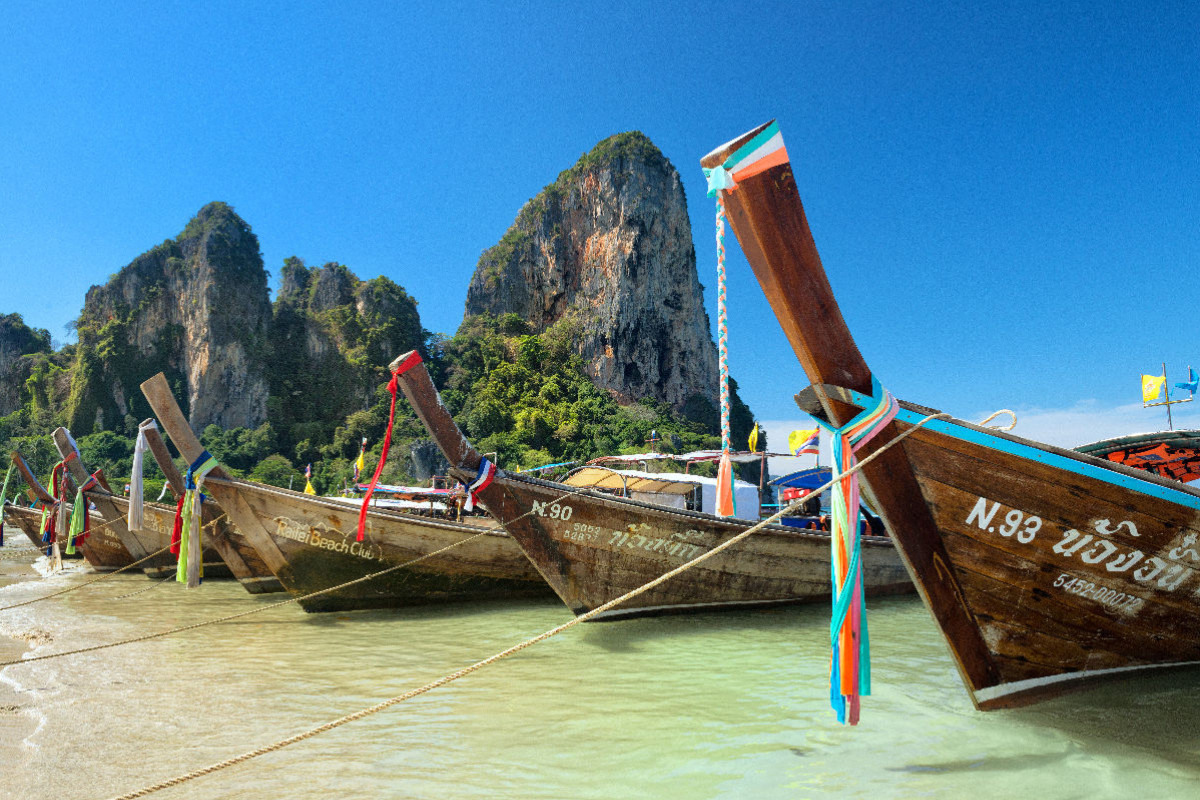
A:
x: 553, y: 510
x: 1015, y: 522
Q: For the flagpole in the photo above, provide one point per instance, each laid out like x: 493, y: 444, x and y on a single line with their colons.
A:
x: 1167, y: 389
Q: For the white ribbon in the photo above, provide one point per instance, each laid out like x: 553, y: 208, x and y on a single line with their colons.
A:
x: 135, y: 478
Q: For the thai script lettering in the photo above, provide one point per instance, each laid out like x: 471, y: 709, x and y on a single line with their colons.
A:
x: 1094, y: 549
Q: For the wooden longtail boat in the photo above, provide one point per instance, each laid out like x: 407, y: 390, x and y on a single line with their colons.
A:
x: 238, y: 554
x: 159, y: 520
x: 1045, y: 569
x: 103, y: 549
x: 593, y: 547
x: 314, y: 540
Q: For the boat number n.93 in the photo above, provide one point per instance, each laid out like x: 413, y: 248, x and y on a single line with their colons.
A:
x: 553, y: 510
x: 1025, y: 526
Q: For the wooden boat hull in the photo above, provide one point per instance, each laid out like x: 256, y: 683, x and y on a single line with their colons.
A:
x: 592, y: 548
x: 318, y: 538
x: 103, y: 550
x: 158, y: 521
x: 1045, y: 569
x: 1074, y: 571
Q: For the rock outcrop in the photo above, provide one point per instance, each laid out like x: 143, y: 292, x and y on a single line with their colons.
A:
x: 332, y: 337
x: 17, y: 342
x: 609, y: 246
x: 195, y: 307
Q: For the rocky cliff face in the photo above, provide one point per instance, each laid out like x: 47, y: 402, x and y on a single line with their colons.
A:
x: 196, y: 308
x: 17, y: 342
x: 332, y: 337
x: 609, y: 244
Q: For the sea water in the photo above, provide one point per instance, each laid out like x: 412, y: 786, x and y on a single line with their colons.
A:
x: 717, y: 705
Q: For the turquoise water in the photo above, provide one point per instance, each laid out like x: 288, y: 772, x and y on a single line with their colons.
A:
x: 727, y: 705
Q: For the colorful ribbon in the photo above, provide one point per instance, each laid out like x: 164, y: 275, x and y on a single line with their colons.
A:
x: 483, y: 478
x: 393, y: 387
x: 190, y: 569
x: 135, y: 517
x: 850, y: 668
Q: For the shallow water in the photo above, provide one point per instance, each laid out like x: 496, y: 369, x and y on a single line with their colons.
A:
x: 725, y: 705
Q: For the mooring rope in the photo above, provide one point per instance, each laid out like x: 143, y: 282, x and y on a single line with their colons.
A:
x: 366, y: 712
x: 154, y: 585
x: 103, y: 577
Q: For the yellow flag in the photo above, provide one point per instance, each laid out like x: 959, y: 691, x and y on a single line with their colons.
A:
x: 308, y: 488
x: 804, y: 442
x: 362, y: 462
x: 1152, y: 386
x: 754, y: 439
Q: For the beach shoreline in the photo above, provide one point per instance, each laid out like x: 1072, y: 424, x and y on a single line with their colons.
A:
x: 16, y: 724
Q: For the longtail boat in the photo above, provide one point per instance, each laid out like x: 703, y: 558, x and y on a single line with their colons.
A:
x: 159, y: 519
x: 243, y: 560
x: 103, y: 550
x: 1045, y: 569
x: 593, y: 547
x: 311, y: 542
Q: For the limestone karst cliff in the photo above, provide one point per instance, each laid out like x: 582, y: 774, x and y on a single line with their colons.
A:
x: 194, y: 307
x: 609, y: 244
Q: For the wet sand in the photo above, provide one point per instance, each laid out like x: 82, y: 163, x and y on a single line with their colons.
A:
x: 15, y: 724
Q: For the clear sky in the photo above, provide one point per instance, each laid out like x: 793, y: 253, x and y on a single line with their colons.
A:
x: 1006, y: 196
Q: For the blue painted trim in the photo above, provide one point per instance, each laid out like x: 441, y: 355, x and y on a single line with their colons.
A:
x: 1034, y: 454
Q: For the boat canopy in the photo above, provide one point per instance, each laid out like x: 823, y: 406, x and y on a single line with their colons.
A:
x: 670, y: 489
x: 688, y: 458
x: 1170, y: 454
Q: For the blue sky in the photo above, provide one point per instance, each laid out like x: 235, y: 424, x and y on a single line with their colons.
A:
x: 1006, y: 196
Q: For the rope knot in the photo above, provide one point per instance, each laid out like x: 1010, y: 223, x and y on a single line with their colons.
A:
x: 719, y: 178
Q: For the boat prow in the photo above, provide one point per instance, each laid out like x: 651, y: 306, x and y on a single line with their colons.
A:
x: 1046, y: 569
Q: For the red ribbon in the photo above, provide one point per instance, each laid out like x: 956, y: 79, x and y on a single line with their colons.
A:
x: 393, y: 386
x: 177, y: 530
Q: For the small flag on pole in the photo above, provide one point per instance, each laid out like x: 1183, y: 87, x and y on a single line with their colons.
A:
x: 754, y: 439
x: 308, y: 487
x: 1152, y: 386
x: 360, y: 464
x: 1192, y: 382
x: 805, y: 442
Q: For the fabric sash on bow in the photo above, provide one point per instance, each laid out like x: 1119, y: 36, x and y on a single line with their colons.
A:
x: 393, y: 388
x: 49, y: 523
x: 850, y: 668
x: 483, y: 479
x: 191, y: 566
x: 78, y: 529
x: 135, y: 519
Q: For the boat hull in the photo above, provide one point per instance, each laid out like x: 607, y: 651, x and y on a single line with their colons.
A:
x: 1070, y: 577
x: 158, y: 522
x: 592, y: 548
x: 102, y: 549
x: 318, y: 537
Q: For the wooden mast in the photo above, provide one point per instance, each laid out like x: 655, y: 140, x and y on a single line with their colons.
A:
x: 768, y: 218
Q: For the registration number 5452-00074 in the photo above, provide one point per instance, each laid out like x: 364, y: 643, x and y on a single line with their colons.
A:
x: 1101, y: 594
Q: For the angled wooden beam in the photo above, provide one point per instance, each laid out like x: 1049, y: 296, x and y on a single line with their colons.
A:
x: 162, y: 401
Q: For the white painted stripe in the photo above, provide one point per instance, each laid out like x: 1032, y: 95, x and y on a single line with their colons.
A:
x: 767, y: 147
x: 1006, y: 689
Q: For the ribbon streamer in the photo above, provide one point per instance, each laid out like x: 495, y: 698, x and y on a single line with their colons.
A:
x: 190, y: 568
x: 483, y: 479
x: 136, y: 489
x: 850, y: 665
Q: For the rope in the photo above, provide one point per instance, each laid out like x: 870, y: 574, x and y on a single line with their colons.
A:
x: 154, y: 585
x: 1009, y: 427
x: 722, y: 330
x: 366, y: 712
x: 103, y: 577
